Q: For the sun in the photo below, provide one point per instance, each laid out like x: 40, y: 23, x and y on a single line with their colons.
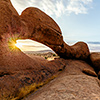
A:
x: 13, y: 44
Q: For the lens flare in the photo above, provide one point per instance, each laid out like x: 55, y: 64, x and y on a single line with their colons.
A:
x: 12, y: 44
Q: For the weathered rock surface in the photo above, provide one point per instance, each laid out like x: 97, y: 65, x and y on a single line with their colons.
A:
x: 35, y: 24
x: 71, y: 84
x: 72, y: 87
x: 9, y: 18
x: 95, y: 59
x: 43, y: 29
x: 17, y: 70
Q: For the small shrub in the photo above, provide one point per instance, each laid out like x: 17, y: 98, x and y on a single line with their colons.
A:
x: 45, y: 57
x: 54, y: 54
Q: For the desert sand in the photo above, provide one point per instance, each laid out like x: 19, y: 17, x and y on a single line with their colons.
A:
x: 47, y: 55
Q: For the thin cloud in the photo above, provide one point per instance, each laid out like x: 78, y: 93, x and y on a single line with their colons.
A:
x: 78, y: 6
x: 55, y: 7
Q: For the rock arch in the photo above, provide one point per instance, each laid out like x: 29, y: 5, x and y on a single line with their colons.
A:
x: 15, y: 65
x: 36, y: 25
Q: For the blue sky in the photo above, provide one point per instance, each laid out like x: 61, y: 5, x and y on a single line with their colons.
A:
x: 79, y: 20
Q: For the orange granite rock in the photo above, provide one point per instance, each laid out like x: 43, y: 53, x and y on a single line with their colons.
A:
x: 18, y: 70
x: 95, y: 59
x: 44, y: 29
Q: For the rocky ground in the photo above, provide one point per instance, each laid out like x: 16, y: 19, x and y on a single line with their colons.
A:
x: 78, y: 81
x: 77, y: 87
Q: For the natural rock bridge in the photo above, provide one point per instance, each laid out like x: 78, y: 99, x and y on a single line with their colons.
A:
x: 36, y: 25
x: 17, y: 70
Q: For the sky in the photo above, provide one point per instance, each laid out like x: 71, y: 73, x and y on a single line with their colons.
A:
x: 30, y: 45
x: 79, y: 20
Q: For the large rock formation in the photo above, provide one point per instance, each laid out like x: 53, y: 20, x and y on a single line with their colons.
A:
x: 36, y: 25
x: 72, y: 87
x: 43, y: 29
x: 17, y: 70
x: 77, y: 87
x: 76, y: 82
x: 9, y: 18
x: 95, y: 59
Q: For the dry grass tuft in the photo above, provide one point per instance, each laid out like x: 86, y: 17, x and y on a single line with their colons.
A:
x: 32, y: 88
